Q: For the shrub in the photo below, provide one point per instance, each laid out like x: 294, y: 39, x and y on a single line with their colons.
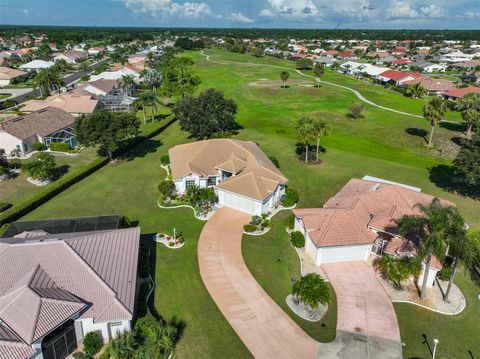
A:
x: 59, y: 146
x: 81, y: 355
x: 167, y: 188
x: 274, y: 161
x: 165, y: 160
x: 355, y: 110
x: 15, y: 163
x: 291, y: 221
x: 445, y: 273
x: 42, y: 168
x: 290, y: 198
x: 4, y: 206
x: 297, y: 239
x: 266, y: 223
x: 249, y: 228
x: 256, y: 220
x: 92, y: 343
x: 37, y: 146
x: 171, y: 244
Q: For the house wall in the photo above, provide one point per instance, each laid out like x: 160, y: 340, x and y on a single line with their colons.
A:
x: 239, y: 202
x: 106, y: 329
x: 4, y: 82
x: 339, y: 254
x: 8, y: 142
x: 431, y: 276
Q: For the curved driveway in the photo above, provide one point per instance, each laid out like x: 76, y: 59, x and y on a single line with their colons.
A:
x: 259, y: 322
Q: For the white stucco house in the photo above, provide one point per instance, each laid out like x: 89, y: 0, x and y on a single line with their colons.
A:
x: 360, y: 221
x: 36, y: 65
x: 242, y: 175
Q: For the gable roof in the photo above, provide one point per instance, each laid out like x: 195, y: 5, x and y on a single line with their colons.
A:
x: 398, y: 75
x: 45, y: 280
x: 38, y: 123
x: 255, y: 175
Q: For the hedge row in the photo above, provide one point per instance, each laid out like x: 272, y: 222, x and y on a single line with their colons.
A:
x: 21, y: 209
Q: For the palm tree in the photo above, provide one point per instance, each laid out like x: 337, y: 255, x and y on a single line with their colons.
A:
x: 415, y: 90
x: 432, y: 229
x: 145, y: 99
x: 320, y: 128
x: 153, y: 78
x: 127, y: 82
x: 469, y: 107
x: 164, y: 338
x: 433, y: 112
x: 46, y: 80
x: 398, y: 270
x: 312, y: 290
x: 305, y: 133
x: 284, y: 75
x: 123, y: 347
x: 84, y: 67
x: 318, y: 70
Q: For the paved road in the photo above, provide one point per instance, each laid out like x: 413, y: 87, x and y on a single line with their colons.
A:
x: 266, y: 330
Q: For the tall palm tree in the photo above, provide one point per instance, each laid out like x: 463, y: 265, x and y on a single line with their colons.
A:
x: 415, y: 90
x: 84, y: 67
x: 432, y: 228
x: 284, y: 75
x: 318, y: 70
x: 305, y: 133
x: 433, y: 112
x: 47, y: 80
x: 312, y: 290
x: 153, y: 78
x: 127, y: 82
x: 145, y: 99
x: 469, y: 107
x: 320, y: 128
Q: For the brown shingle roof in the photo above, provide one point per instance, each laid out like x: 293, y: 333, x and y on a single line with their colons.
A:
x: 256, y: 176
x: 7, y: 73
x: 45, y: 282
x: 39, y: 123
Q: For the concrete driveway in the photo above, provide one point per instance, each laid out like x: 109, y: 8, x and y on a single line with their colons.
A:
x: 363, y: 305
x: 266, y: 330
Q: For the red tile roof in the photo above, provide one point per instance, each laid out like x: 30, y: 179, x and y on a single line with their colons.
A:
x: 459, y: 93
x: 399, y: 75
x: 401, y: 62
x: 429, y: 84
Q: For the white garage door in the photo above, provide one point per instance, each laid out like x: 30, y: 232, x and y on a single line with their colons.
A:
x: 237, y: 202
x: 344, y: 253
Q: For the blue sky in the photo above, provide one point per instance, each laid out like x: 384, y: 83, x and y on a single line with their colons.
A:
x: 371, y: 14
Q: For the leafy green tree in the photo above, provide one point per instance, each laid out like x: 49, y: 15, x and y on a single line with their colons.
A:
x: 432, y: 228
x: 44, y: 52
x: 305, y: 133
x: 469, y: 107
x: 180, y: 78
x: 84, y: 66
x: 467, y: 165
x: 284, y: 75
x: 318, y: 71
x: 42, y: 168
x: 92, y: 343
x: 47, y: 80
x: 303, y: 64
x: 207, y: 115
x: 415, y: 90
x: 398, y: 270
x: 167, y: 188
x: 320, y: 128
x: 127, y: 82
x: 433, y: 112
x: 312, y: 290
x: 355, y: 110
x: 106, y: 129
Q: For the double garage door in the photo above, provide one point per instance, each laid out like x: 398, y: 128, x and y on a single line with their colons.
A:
x: 238, y: 202
x: 344, y: 253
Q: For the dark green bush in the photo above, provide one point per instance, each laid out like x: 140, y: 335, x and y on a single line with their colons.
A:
x: 290, y: 197
x: 256, y: 220
x: 165, y: 160
x: 445, y: 273
x: 274, y: 161
x: 81, y: 355
x: 143, y: 261
x: 167, y: 188
x: 92, y: 343
x: 297, y: 239
x: 37, y: 146
x: 4, y: 206
x: 249, y: 228
x: 266, y: 223
x: 291, y: 221
x: 59, y: 146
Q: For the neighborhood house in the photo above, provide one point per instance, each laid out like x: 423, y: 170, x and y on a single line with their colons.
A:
x: 242, y: 175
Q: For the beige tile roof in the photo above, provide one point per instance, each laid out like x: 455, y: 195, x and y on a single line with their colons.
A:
x: 40, y: 123
x: 360, y: 204
x: 68, y: 102
x: 430, y: 84
x: 7, y: 73
x: 45, y: 282
x: 256, y: 176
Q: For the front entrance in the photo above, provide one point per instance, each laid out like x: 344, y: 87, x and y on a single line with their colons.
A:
x: 60, y: 343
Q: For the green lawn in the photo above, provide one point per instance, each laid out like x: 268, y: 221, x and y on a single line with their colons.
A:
x: 382, y: 144
x: 275, y: 265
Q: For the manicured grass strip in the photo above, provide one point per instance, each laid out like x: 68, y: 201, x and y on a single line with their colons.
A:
x: 275, y: 265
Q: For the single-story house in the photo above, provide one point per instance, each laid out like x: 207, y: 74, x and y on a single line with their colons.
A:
x: 242, y: 175
x: 467, y: 65
x: 401, y: 62
x: 75, y: 104
x: 115, y: 75
x: 457, y: 56
x: 396, y: 77
x: 93, y: 51
x: 432, y: 86
x: 361, y: 68
x: 71, y: 56
x: 7, y: 75
x: 360, y: 220
x: 19, y: 134
x: 459, y: 93
x: 96, y: 88
x: 431, y: 67
x: 56, y: 288
x: 36, y: 65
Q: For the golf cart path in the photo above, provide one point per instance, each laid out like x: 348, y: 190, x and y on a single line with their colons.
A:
x: 266, y: 330
x: 358, y: 94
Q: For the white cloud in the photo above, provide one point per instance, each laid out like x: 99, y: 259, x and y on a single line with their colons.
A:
x: 25, y: 12
x: 169, y: 8
x: 359, y: 9
x: 239, y: 17
x: 267, y: 13
x: 293, y: 9
x: 432, y: 11
x: 472, y: 14
x: 401, y: 9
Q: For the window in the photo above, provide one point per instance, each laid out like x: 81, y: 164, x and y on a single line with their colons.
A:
x: 189, y: 184
x: 212, y: 181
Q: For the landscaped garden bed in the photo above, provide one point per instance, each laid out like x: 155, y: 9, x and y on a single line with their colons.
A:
x: 174, y: 242
x: 304, y: 310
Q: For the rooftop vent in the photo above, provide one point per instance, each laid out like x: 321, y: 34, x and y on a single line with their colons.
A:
x: 375, y: 186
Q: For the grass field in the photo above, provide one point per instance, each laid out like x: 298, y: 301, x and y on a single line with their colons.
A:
x: 380, y: 145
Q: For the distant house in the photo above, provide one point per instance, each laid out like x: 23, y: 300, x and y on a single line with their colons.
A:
x: 297, y: 56
x: 471, y: 77
x: 117, y: 100
x: 96, y: 88
x: 242, y: 175
x: 401, y: 62
x: 36, y: 65
x: 432, y: 86
x: 93, y: 51
x: 7, y: 75
x: 399, y: 51
x: 325, y: 60
x: 71, y: 56
x: 68, y: 102
x: 457, y: 56
x: 346, y: 55
x: 467, y: 65
x: 459, y: 93
x: 116, y: 75
x: 44, y: 126
x: 429, y: 67
x: 396, y: 77
x: 63, y: 286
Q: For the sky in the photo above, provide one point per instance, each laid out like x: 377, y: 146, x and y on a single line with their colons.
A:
x: 317, y: 14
